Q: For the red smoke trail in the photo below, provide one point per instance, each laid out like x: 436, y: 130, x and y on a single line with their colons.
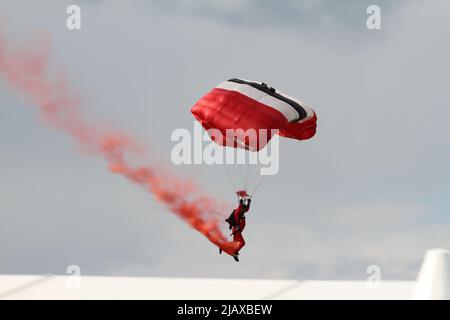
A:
x: 26, y: 71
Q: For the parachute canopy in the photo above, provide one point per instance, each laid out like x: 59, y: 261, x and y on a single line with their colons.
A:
x: 239, y: 104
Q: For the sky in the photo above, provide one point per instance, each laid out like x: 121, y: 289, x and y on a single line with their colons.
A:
x: 371, y: 188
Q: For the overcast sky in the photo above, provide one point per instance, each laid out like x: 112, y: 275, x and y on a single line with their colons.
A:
x: 372, y: 187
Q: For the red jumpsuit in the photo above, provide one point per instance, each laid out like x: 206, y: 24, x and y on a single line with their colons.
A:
x: 237, y: 230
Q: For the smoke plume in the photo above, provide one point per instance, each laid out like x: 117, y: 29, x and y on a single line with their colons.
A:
x: 26, y: 70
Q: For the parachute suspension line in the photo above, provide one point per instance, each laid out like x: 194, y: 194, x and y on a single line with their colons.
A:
x: 241, y: 180
x: 249, y: 171
x: 255, y: 174
x: 229, y: 177
x: 248, y: 176
x: 235, y: 176
x: 261, y: 177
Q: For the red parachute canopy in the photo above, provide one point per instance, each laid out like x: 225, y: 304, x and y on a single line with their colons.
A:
x: 242, y: 104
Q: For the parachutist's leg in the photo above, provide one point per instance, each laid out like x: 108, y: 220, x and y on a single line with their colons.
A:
x: 220, y: 250
x: 240, y: 240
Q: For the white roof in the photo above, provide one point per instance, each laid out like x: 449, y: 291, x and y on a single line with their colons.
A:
x: 433, y: 283
x: 88, y: 287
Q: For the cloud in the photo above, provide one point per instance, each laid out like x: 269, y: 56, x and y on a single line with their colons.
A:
x: 310, y: 16
x: 370, y: 188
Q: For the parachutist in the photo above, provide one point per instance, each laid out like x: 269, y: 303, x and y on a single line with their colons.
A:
x: 244, y: 115
x: 236, y: 222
